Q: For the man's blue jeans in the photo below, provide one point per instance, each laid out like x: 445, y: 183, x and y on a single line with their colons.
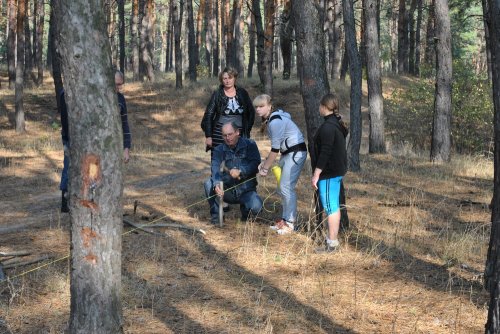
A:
x: 250, y: 202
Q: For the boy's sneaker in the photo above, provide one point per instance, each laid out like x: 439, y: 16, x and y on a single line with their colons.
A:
x: 286, y: 229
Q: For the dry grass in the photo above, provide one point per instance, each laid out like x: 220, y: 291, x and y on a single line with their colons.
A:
x: 411, y: 263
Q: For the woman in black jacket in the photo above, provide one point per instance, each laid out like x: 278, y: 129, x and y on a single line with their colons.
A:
x: 228, y: 103
x: 329, y: 161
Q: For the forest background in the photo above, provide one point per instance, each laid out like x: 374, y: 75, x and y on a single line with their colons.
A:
x: 435, y: 240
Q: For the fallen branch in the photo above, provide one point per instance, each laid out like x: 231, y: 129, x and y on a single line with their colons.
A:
x: 17, y: 253
x: 141, y: 228
x: 25, y: 263
x: 174, y: 225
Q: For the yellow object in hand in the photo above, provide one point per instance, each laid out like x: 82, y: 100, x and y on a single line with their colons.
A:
x: 277, y: 173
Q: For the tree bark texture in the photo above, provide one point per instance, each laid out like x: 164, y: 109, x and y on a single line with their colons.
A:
x: 178, y: 13
x: 336, y: 57
x: 260, y: 40
x: 441, y: 127
x: 121, y: 33
x: 411, y: 24
x: 40, y: 20
x: 134, y: 39
x: 286, y: 31
x: 485, y: 5
x: 238, y: 53
x: 355, y: 95
x: 96, y: 169
x: 19, y: 96
x: 192, y: 46
x: 308, y: 17
x: 214, y: 25
x: 429, y: 56
x: 402, y: 38
x: 418, y: 44
x: 54, y: 55
x: 11, y: 43
x: 199, y: 26
x: 492, y: 268
x: 146, y: 32
x: 251, y: 44
x: 28, y: 50
x: 268, y: 46
x: 375, y: 98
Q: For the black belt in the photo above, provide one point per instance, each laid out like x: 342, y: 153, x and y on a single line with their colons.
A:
x: 296, y: 148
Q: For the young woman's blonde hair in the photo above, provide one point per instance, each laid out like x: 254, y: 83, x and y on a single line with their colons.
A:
x: 262, y: 100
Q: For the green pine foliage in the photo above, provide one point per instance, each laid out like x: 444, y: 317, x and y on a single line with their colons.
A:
x: 410, y: 110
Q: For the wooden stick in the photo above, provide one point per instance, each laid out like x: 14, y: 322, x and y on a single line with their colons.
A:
x: 173, y: 225
x: 221, y: 205
x: 139, y: 227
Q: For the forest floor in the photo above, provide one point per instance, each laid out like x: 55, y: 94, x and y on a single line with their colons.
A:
x: 411, y: 262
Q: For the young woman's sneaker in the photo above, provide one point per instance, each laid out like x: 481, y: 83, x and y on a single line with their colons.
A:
x: 331, y: 246
x: 286, y: 229
x: 278, y: 224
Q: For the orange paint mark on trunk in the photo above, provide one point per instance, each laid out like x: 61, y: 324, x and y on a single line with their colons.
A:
x: 309, y: 82
x: 87, y: 236
x: 91, y: 172
x: 89, y: 204
x: 91, y: 258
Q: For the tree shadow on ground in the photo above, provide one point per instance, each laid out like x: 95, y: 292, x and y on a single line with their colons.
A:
x: 230, y: 276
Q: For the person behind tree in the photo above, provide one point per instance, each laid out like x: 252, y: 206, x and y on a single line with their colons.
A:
x: 229, y: 103
x: 287, y: 139
x: 127, y: 137
x: 329, y: 165
x: 239, y: 158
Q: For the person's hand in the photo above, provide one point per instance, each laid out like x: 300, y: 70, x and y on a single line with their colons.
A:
x: 314, y: 181
x: 219, y: 191
x: 208, y: 141
x: 126, y: 156
x: 262, y: 171
x: 235, y: 173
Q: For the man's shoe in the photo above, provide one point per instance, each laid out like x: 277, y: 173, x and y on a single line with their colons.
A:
x: 286, y: 229
x: 214, y: 220
x: 64, y: 202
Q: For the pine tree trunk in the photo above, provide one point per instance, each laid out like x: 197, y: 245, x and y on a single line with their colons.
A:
x: 411, y: 24
x: 192, y: 46
x: 178, y: 13
x: 338, y: 40
x: 199, y: 25
x: 170, y: 39
x: 209, y: 21
x: 239, y: 47
x: 492, y: 269
x: 355, y: 95
x: 19, y: 96
x: 251, y: 44
x: 268, y: 47
x: 260, y: 40
x: 311, y: 60
x: 11, y: 43
x: 429, y: 57
x: 286, y: 31
x: 375, y: 98
x: 484, y: 4
x: 54, y: 55
x: 402, y: 38
x: 40, y: 22
x: 134, y: 39
x: 394, y: 37
x: 121, y: 33
x: 28, y: 50
x: 96, y: 169
x: 441, y: 127
x: 418, y: 44
x: 215, y: 39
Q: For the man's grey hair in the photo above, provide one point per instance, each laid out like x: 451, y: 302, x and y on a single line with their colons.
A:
x: 233, y: 125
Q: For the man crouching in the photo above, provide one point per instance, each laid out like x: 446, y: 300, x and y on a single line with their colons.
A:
x: 239, y: 158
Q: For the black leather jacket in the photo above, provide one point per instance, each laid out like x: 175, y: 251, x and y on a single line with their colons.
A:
x: 216, y: 105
